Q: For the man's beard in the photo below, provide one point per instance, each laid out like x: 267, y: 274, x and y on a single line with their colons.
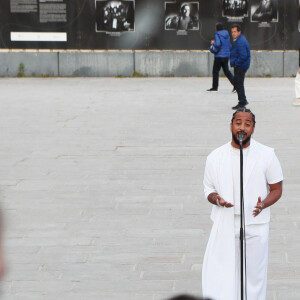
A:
x: 235, y: 139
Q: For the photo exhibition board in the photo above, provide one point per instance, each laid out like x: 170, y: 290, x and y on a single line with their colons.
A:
x: 145, y: 24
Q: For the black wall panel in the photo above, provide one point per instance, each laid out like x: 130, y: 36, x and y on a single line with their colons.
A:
x: 145, y: 24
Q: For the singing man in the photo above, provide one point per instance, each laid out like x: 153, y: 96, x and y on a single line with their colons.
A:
x: 262, y: 185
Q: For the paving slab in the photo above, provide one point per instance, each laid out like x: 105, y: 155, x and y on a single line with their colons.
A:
x: 101, y: 184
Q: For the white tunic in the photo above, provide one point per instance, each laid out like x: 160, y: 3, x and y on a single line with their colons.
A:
x: 262, y: 168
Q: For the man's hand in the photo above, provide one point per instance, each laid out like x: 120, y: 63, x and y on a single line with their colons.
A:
x: 223, y: 202
x: 258, y: 208
x: 273, y: 197
x: 212, y: 198
x: 212, y: 41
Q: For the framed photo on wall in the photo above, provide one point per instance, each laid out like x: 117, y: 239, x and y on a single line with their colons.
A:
x: 264, y: 11
x: 114, y: 16
x: 181, y: 16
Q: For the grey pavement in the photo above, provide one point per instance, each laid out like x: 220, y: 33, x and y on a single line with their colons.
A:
x: 101, y: 184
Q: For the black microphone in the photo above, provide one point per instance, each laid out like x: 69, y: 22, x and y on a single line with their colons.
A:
x: 241, y: 136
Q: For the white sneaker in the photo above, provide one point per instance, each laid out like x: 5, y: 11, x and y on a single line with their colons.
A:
x: 297, y: 102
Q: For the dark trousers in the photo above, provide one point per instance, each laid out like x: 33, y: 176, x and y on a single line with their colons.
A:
x: 221, y: 62
x: 239, y: 77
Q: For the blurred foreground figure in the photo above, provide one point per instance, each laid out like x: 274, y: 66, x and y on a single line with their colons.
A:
x: 1, y: 249
x: 188, y: 297
x: 297, y: 88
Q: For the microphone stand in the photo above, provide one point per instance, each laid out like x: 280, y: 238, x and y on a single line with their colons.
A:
x: 242, y: 220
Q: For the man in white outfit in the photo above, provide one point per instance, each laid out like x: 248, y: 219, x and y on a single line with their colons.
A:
x: 262, y: 188
x: 297, y: 88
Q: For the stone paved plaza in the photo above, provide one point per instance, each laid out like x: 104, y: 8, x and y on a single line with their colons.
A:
x: 101, y: 184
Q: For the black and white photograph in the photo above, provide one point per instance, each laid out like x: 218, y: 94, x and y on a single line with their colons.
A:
x: 264, y: 11
x: 114, y: 16
x: 182, y: 16
x: 235, y: 8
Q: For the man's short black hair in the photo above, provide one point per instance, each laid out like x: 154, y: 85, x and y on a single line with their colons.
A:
x: 237, y: 26
x: 219, y: 26
x: 244, y: 109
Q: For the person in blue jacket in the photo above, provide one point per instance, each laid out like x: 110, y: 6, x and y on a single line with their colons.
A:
x: 220, y: 47
x: 240, y: 60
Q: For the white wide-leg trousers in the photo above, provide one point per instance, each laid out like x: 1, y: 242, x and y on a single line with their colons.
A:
x: 257, y: 259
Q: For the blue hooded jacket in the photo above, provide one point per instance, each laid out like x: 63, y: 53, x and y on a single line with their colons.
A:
x: 221, y: 46
x: 240, y: 53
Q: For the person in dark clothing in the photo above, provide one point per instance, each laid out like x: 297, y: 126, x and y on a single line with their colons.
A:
x: 220, y: 47
x: 240, y: 60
